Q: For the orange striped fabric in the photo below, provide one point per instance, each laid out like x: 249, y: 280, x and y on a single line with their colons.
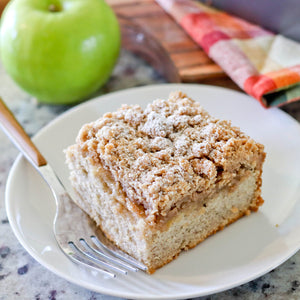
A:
x: 265, y: 65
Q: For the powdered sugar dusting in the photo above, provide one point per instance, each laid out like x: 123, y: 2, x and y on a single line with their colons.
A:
x: 156, y: 125
x: 168, y: 151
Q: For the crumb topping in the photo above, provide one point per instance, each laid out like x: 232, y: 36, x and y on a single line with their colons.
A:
x: 168, y: 151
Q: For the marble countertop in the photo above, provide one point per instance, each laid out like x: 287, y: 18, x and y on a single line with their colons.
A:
x: 21, y: 277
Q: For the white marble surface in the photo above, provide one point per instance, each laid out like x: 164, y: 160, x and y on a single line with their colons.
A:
x: 21, y: 277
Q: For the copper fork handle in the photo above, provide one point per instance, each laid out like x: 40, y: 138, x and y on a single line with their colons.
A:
x: 19, y: 137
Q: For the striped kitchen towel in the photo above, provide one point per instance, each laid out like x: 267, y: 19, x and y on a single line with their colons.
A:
x: 265, y: 65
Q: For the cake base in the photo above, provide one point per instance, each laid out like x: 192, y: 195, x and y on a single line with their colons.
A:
x: 156, y: 245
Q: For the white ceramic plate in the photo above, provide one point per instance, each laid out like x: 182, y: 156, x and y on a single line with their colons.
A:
x: 243, y: 251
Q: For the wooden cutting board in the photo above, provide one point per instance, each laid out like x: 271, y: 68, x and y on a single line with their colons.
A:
x: 191, y: 61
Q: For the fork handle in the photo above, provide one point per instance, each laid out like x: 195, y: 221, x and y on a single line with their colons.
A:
x: 19, y: 137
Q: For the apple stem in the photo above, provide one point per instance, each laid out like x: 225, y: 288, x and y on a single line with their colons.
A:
x: 53, y: 8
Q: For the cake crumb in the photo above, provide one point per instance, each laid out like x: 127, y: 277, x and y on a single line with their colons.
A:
x: 202, y: 210
x: 234, y: 209
x: 248, y: 212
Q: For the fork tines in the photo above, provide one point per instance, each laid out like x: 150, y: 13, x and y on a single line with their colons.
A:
x: 103, y: 257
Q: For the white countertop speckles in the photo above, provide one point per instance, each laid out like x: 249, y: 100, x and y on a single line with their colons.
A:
x: 21, y: 277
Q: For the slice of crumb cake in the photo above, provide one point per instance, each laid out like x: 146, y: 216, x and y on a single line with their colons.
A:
x: 163, y: 179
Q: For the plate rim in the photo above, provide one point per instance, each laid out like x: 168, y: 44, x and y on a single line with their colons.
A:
x: 87, y: 285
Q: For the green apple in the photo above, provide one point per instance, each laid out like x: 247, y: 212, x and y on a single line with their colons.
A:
x: 60, y: 51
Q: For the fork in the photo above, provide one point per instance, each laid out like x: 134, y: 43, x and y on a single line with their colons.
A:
x: 76, y: 234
